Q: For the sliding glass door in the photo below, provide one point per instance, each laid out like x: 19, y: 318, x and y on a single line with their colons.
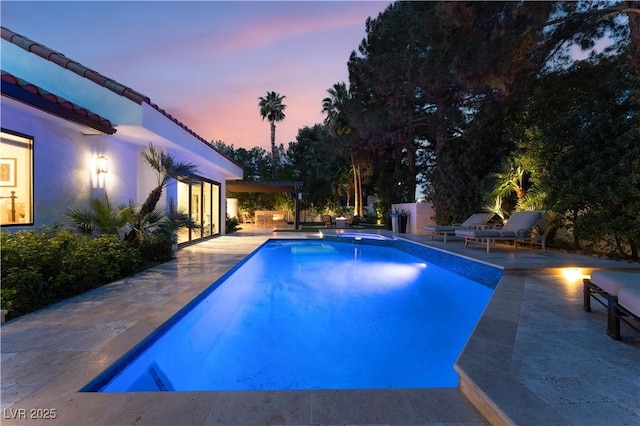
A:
x: 202, y: 201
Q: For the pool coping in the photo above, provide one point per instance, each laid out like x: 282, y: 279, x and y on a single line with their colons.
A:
x: 489, y: 392
x: 486, y: 365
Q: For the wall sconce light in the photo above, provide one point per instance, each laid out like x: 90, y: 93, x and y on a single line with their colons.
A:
x: 102, y: 164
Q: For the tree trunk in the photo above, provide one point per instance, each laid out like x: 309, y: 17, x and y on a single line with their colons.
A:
x: 411, y: 159
x: 361, y: 194
x: 273, y: 150
x: 634, y: 29
x: 440, y: 134
x: 357, y: 188
x: 634, y: 249
x: 576, y: 241
x: 151, y: 202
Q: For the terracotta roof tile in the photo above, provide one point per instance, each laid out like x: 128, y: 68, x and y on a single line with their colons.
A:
x: 96, y: 77
x: 76, y: 67
x: 31, y: 88
x: 135, y: 96
x: 25, y: 43
x: 114, y: 86
x: 17, y: 88
x: 59, y: 59
x: 50, y: 97
x: 39, y: 50
x: 66, y: 104
x: 9, y: 78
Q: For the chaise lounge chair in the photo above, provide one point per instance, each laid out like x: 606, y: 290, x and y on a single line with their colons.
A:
x: 521, y: 226
x: 619, y: 292
x: 353, y: 221
x: 475, y: 220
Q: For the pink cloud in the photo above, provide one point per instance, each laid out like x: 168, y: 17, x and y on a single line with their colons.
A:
x: 206, y: 63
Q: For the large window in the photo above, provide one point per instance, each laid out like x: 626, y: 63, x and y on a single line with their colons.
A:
x: 16, y: 179
x: 202, y: 201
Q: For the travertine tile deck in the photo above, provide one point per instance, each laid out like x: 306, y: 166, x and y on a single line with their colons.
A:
x: 535, y: 357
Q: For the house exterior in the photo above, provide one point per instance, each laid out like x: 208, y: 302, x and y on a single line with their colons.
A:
x: 70, y: 134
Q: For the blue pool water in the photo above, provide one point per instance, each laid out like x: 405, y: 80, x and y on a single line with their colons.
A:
x: 312, y: 314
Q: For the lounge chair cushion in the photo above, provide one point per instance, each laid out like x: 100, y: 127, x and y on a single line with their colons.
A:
x: 629, y: 297
x: 490, y: 233
x: 522, y: 220
x: 612, y: 281
x: 518, y: 226
x: 477, y: 219
x: 473, y: 220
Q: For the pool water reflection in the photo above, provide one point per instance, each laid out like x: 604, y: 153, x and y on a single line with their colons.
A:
x: 301, y: 314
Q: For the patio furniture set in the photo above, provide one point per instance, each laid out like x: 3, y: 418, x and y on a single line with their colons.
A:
x: 270, y: 217
x: 525, y: 226
x: 347, y: 221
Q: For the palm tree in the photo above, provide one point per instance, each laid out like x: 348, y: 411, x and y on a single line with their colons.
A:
x: 336, y: 120
x: 333, y: 106
x: 513, y: 180
x: 272, y: 108
x: 167, y: 168
x: 100, y: 217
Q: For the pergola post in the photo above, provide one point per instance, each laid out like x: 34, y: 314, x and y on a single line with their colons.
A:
x: 298, y: 196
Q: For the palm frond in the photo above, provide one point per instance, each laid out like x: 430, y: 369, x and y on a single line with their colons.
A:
x: 99, y: 218
x: 496, y: 208
x: 535, y: 199
x: 83, y: 218
x: 271, y: 107
x: 167, y: 167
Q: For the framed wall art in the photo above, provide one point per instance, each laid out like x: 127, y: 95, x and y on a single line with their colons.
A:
x: 7, y: 172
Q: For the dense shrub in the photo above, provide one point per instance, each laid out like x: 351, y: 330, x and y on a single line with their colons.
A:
x: 231, y: 224
x: 42, y: 267
x: 154, y: 248
x: 96, y: 261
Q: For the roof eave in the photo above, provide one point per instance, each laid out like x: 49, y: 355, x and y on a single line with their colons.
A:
x: 21, y: 94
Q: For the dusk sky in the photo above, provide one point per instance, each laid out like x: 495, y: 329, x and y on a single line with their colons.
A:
x: 207, y: 62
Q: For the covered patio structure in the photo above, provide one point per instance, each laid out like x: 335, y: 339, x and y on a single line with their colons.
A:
x: 293, y: 188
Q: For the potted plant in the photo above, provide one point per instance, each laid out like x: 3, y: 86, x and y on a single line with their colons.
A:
x: 390, y: 220
x: 402, y: 215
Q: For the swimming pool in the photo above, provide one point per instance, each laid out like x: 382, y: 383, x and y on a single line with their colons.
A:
x: 314, y: 314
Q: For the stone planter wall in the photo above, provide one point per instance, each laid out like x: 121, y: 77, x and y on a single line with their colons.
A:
x: 420, y: 215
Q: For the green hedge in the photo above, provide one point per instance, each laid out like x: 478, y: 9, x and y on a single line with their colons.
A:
x: 42, y: 267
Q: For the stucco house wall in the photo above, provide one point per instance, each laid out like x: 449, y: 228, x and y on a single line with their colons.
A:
x: 64, y: 163
x: 65, y: 153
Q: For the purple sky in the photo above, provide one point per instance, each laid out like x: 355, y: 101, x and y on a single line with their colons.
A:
x: 208, y: 62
